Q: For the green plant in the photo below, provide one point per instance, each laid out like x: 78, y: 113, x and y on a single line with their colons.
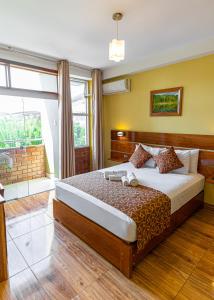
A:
x: 20, y: 129
x: 79, y: 135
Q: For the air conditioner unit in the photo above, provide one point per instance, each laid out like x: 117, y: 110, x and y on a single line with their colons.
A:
x: 115, y: 87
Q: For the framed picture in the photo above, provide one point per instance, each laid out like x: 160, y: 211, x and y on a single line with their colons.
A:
x: 167, y: 102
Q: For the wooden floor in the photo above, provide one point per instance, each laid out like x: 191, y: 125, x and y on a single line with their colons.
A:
x: 48, y: 262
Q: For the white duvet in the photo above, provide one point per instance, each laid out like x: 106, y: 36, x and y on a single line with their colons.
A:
x: 179, y: 188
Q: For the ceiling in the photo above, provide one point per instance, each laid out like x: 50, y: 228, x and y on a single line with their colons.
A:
x: 81, y: 30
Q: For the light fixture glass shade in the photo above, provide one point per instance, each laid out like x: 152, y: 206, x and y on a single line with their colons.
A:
x: 117, y: 50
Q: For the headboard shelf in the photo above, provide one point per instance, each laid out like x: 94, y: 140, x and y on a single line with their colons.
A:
x: 123, y: 146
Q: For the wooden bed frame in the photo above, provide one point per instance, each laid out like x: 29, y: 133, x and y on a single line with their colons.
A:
x: 121, y: 254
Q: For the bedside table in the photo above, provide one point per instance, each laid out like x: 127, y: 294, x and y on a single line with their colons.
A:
x: 209, y: 191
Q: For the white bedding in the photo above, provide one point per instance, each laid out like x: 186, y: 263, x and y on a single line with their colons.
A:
x: 179, y: 188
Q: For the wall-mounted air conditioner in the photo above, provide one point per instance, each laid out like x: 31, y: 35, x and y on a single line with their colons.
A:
x: 115, y: 87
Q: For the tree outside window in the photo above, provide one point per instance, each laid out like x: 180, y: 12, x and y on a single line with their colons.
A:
x: 79, y: 91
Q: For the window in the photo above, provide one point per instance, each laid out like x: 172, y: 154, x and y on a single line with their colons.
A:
x: 20, y: 129
x: 2, y: 75
x: 29, y: 79
x: 79, y: 91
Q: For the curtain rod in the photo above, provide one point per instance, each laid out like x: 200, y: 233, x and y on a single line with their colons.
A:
x: 39, y: 56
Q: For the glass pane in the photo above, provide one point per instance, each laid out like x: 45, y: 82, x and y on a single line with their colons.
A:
x: 12, y: 150
x: 80, y: 130
x: 28, y: 145
x: 11, y: 122
x: 2, y: 75
x: 41, y: 126
x: 79, y: 102
x: 33, y: 80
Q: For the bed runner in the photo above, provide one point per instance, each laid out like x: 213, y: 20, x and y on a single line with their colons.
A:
x: 149, y: 208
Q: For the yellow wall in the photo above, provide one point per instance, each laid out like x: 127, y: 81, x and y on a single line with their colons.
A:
x: 209, y: 193
x: 131, y: 111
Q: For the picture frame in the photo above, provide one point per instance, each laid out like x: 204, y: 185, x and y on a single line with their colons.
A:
x: 166, y: 102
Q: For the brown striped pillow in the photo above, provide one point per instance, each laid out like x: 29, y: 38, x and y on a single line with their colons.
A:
x: 167, y: 161
x: 139, y: 157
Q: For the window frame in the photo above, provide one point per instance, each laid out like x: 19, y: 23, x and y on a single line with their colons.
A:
x: 86, y: 114
x: 10, y: 90
x: 6, y: 77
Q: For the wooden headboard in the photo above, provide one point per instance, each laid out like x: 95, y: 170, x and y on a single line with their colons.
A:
x: 123, y: 146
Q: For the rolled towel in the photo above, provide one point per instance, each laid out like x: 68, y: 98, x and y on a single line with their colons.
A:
x: 116, y: 173
x: 125, y: 180
x: 114, y: 178
x: 132, y: 179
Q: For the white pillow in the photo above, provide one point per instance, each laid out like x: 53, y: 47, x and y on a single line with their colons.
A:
x: 194, y: 161
x: 184, y: 157
x: 153, y: 151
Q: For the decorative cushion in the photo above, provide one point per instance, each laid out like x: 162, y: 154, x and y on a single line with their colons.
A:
x: 153, y: 151
x: 168, y: 161
x: 139, y: 157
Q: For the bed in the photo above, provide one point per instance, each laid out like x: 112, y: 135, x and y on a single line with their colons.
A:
x: 111, y: 232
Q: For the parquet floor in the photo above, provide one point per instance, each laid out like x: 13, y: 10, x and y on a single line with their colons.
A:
x: 46, y: 261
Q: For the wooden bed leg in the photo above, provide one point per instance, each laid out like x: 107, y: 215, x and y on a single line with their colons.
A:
x: 126, y: 265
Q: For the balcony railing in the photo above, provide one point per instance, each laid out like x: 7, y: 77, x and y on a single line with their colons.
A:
x: 19, y: 143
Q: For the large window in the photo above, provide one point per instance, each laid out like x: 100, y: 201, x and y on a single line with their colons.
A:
x: 29, y: 79
x: 22, y: 77
x: 20, y: 129
x: 79, y: 92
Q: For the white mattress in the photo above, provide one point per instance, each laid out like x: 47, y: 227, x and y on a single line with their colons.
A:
x: 179, y: 188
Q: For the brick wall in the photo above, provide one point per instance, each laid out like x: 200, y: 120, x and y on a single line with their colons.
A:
x: 82, y: 160
x: 28, y: 163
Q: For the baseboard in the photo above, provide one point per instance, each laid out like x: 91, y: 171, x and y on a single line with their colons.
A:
x: 209, y: 206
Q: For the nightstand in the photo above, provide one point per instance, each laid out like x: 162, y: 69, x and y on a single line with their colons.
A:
x: 209, y: 191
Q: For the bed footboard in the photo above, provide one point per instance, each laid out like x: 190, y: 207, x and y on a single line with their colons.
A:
x: 112, y: 248
x: 122, y: 255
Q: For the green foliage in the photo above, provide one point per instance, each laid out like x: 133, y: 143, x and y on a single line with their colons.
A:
x: 165, y: 103
x: 79, y: 135
x: 20, y: 129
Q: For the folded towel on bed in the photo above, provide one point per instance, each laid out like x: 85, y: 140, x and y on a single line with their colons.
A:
x: 115, y: 173
x: 114, y: 178
x: 121, y: 175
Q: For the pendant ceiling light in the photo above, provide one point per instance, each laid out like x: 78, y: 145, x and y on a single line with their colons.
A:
x: 117, y: 47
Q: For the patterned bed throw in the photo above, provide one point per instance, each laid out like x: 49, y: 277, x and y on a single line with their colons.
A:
x: 149, y: 208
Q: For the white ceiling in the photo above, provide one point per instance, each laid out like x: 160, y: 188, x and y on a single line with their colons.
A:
x: 81, y: 30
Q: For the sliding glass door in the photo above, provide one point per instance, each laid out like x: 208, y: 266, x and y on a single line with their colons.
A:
x: 12, y: 147
x: 28, y: 145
